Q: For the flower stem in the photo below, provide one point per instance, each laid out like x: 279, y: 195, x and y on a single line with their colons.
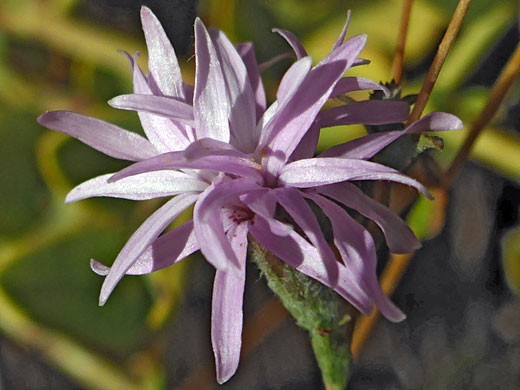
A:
x: 438, y: 61
x: 401, y: 41
x: 502, y: 85
x: 318, y: 309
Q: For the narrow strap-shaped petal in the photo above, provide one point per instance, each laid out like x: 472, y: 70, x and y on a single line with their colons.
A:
x: 166, y: 250
x: 292, y: 79
x: 247, y: 53
x: 188, y: 92
x: 157, y: 105
x: 350, y: 84
x: 165, y: 134
x: 289, y: 85
x: 175, y: 160
x: 141, y: 239
x: 360, y: 61
x: 294, y: 203
x: 147, y: 185
x: 368, y: 112
x: 343, y: 33
x: 292, y: 40
x: 349, y: 50
x: 242, y: 114
x: 294, y: 119
x: 208, y: 223
x: 398, y: 235
x: 315, y: 172
x: 162, y: 61
x: 274, y: 60
x: 357, y: 249
x: 366, y: 147
x: 307, y: 146
x: 263, y: 203
x: 103, y: 136
x: 295, y: 251
x: 210, y: 100
x: 226, y: 309
x: 211, y: 147
x: 217, y: 195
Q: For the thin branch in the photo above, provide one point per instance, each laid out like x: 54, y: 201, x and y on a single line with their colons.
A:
x: 438, y: 61
x: 401, y: 41
x: 502, y: 85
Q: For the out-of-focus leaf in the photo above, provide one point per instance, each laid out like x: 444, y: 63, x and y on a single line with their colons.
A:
x: 511, y: 258
x: 496, y: 149
x: 475, y: 39
x: 26, y: 20
x: 91, y: 371
x: 426, y: 218
x: 55, y: 285
x: 23, y: 195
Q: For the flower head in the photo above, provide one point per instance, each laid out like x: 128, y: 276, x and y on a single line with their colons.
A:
x: 216, y: 145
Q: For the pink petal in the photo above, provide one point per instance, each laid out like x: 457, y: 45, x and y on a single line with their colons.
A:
x: 263, y: 203
x: 157, y: 105
x: 350, y: 84
x: 307, y: 146
x: 357, y: 249
x: 141, y: 239
x: 369, y: 112
x: 208, y: 223
x: 292, y: 79
x: 299, y: 254
x: 292, y: 120
x: 165, y: 134
x: 242, y: 115
x: 366, y: 147
x: 147, y: 185
x: 398, y: 235
x: 210, y: 99
x: 349, y: 51
x: 166, y: 250
x: 315, y: 172
x: 247, y: 53
x: 206, y: 147
x: 175, y: 160
x: 292, y: 201
x: 162, y: 62
x: 341, y: 37
x: 100, y: 135
x: 226, y: 309
x: 292, y: 40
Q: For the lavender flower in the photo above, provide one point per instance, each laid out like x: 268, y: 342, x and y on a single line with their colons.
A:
x: 217, y: 146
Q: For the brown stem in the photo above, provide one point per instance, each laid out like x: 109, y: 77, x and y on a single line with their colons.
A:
x: 401, y: 41
x: 438, y: 61
x: 502, y: 85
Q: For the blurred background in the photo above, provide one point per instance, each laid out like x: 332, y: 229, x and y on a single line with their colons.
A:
x: 461, y: 291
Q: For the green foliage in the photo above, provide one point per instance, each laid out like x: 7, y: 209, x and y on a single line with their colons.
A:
x: 23, y: 194
x: 56, y: 287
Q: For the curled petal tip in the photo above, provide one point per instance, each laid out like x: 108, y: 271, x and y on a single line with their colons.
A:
x: 98, y: 268
x: 458, y: 125
x: 145, y: 10
x: 42, y: 118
